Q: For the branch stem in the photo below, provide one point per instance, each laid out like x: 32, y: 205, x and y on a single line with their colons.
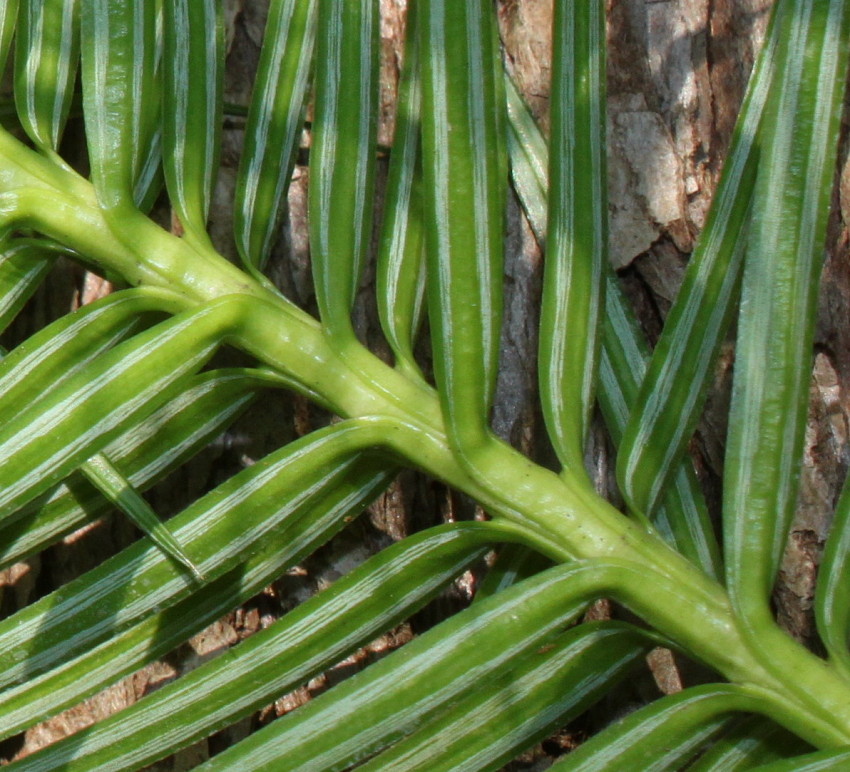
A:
x: 560, y: 516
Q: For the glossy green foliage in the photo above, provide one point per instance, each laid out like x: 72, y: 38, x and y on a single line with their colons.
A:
x: 193, y: 45
x: 23, y: 266
x: 831, y: 607
x: 95, y: 403
x: 779, y: 293
x: 683, y: 518
x: 273, y: 128
x: 8, y: 21
x: 422, y: 680
x: 400, y: 264
x: 747, y: 742
x: 825, y: 761
x: 145, y: 453
x: 46, y: 59
x: 104, y: 403
x: 313, y: 636
x: 462, y: 148
x: 120, y: 97
x: 671, y: 392
x: 120, y: 492
x: 546, y: 689
x: 576, y: 229
x: 343, y: 156
x: 664, y: 735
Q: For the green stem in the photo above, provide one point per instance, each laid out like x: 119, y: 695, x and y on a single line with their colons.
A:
x: 560, y: 517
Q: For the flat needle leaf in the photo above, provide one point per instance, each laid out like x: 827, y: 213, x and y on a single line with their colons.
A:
x: 779, y: 294
x: 8, y: 18
x: 400, y: 269
x: 46, y: 60
x: 463, y: 153
x: 193, y: 81
x: 273, y: 127
x: 673, y: 387
x: 120, y: 95
x: 577, y: 234
x: 119, y: 490
x: 342, y: 168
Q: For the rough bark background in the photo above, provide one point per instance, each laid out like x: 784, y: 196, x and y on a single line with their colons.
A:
x: 677, y: 73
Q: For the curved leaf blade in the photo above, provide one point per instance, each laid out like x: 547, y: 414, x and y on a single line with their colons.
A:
x: 272, y: 500
x: 120, y: 95
x: 274, y: 123
x: 779, y: 292
x: 463, y: 153
x: 145, y: 453
x: 23, y: 266
x: 508, y: 714
x: 325, y: 628
x: 46, y: 441
x: 750, y: 741
x: 513, y: 563
x: 663, y: 735
x: 8, y: 19
x: 682, y: 517
x: 832, y: 593
x: 342, y: 156
x: 822, y: 761
x: 159, y: 632
x: 683, y: 520
x: 577, y: 232
x: 192, y: 107
x: 529, y: 160
x: 672, y: 390
x: 393, y: 696
x: 57, y: 352
x: 47, y: 40
x: 400, y: 269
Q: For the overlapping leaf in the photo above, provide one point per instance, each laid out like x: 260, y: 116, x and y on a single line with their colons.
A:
x: 8, y: 19
x: 146, y: 452
x: 671, y: 392
x: 503, y: 717
x: 45, y: 441
x: 665, y: 734
x: 392, y: 697
x: 118, y: 490
x: 529, y: 160
x: 749, y: 741
x: 308, y: 490
x: 513, y: 564
x: 782, y: 266
x: 46, y: 60
x: 23, y: 266
x: 373, y: 597
x: 822, y: 761
x: 832, y: 595
x: 683, y: 519
x: 54, y: 354
x: 303, y: 520
x: 277, y: 518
